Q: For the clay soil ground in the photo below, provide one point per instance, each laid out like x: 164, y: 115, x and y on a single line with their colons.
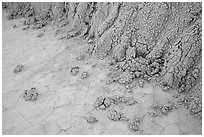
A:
x: 65, y: 100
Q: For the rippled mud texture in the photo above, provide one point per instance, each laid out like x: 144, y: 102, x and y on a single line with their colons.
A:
x: 147, y: 42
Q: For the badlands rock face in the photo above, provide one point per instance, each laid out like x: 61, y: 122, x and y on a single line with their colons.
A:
x: 132, y: 53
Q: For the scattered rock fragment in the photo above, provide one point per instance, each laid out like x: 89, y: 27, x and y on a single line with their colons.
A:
x: 25, y: 28
x: 62, y: 36
x: 130, y: 101
x: 116, y: 116
x: 91, y: 119
x: 93, y: 66
x: 175, y: 96
x: 30, y: 21
x: 90, y: 41
x: 129, y: 90
x: 39, y: 25
x: 165, y: 109
x: 175, y: 106
x: 102, y: 103
x: 112, y: 62
x: 40, y: 34
x: 137, y: 120
x: 81, y: 57
x: 10, y: 17
x: 179, y: 102
x: 165, y: 86
x: 18, y: 68
x: 14, y: 26
x: 141, y: 83
x: 84, y: 75
x: 152, y: 114
x: 75, y: 71
x: 133, y: 126
x: 117, y: 99
x: 30, y: 95
x: 121, y: 107
x: 23, y: 22
x: 109, y: 81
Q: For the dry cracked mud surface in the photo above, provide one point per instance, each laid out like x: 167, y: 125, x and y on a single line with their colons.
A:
x: 102, y: 69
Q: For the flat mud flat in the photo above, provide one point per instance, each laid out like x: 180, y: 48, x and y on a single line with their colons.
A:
x: 62, y: 88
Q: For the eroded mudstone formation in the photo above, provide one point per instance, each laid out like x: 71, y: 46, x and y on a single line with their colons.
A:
x: 146, y: 40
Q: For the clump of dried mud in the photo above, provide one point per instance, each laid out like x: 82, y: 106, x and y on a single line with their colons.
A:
x: 159, y: 42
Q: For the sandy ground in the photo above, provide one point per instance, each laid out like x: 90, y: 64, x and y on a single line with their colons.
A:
x: 64, y: 100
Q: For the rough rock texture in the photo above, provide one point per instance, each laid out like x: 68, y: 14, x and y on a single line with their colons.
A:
x: 146, y: 40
